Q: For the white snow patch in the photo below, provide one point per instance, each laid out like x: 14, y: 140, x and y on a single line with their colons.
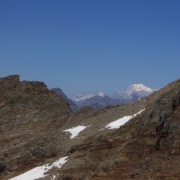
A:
x: 76, y: 130
x: 39, y: 172
x: 101, y: 94
x: 116, y: 124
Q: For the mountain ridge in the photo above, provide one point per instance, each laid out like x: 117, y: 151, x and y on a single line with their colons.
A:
x: 36, y: 126
x: 130, y: 94
x: 59, y: 92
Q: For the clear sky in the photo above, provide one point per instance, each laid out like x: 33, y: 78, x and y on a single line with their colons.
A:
x: 91, y: 45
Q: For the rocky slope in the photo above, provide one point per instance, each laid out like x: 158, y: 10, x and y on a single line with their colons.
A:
x: 72, y: 105
x: 148, y: 147
x: 30, y: 117
x: 32, y: 133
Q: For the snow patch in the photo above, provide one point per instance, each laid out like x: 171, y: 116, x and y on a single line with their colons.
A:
x: 75, y: 130
x: 54, y: 177
x: 116, y: 124
x: 39, y: 172
x: 101, y: 94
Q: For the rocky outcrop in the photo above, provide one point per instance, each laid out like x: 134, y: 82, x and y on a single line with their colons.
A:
x: 30, y: 116
x: 72, y: 105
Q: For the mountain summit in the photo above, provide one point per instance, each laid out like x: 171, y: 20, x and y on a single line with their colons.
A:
x: 134, y: 92
x: 138, y: 88
x: 101, y: 100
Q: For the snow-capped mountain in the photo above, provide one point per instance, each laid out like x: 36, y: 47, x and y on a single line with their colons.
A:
x: 102, y: 94
x: 138, y: 88
x: 133, y: 92
x: 96, y: 101
x: 101, y: 100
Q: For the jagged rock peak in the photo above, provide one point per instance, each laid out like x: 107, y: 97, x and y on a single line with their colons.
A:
x: 12, y: 83
x: 13, y: 77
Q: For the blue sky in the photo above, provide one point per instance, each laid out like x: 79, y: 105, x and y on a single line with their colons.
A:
x: 91, y: 45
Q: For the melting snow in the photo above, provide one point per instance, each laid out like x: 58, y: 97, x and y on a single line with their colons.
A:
x: 76, y: 130
x: 39, y: 172
x: 116, y: 124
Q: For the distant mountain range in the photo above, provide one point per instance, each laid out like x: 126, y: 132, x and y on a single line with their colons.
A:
x: 101, y: 100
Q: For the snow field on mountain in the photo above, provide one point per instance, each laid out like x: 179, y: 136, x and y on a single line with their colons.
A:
x: 75, y: 130
x: 116, y: 124
x: 113, y: 125
x: 39, y: 172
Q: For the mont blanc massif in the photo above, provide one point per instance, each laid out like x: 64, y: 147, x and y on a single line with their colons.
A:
x: 101, y: 100
x: 132, y: 134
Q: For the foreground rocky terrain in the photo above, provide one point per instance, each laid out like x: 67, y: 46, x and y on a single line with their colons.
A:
x: 34, y: 130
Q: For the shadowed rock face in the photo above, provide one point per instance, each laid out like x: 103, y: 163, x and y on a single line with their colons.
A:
x: 32, y: 120
x: 30, y: 115
x: 72, y: 105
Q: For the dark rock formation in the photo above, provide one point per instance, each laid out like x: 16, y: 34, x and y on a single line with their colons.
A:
x: 30, y: 117
x: 72, y: 105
